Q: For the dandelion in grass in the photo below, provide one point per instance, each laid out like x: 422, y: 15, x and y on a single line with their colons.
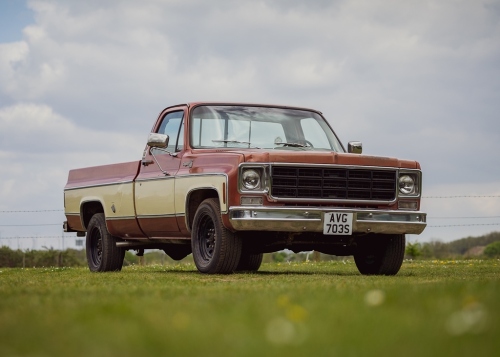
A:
x: 296, y: 313
x: 283, y: 301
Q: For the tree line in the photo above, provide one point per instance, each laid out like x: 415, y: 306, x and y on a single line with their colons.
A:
x: 486, y: 246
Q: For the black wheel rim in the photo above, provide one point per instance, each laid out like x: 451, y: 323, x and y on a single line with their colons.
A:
x: 96, y: 247
x: 370, y: 259
x: 206, y: 238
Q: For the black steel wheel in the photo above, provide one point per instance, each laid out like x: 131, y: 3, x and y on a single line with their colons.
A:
x: 380, y: 254
x: 102, y: 252
x: 216, y: 250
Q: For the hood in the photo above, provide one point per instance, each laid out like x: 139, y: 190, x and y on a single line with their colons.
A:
x: 326, y: 157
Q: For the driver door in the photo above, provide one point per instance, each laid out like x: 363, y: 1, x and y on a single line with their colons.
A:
x: 155, y: 184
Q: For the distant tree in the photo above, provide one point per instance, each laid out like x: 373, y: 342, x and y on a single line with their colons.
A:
x: 492, y: 250
x: 461, y: 246
x: 280, y: 257
x: 10, y: 258
x: 413, y: 250
x: 427, y: 251
x: 41, y: 258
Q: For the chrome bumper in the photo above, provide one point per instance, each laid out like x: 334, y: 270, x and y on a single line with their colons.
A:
x: 297, y: 219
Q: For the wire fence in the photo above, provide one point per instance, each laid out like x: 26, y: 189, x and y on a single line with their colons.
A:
x: 68, y: 239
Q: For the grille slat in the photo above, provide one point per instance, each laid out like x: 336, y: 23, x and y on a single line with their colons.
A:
x: 333, y: 183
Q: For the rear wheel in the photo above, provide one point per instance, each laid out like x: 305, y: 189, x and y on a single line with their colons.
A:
x: 102, y: 252
x: 380, y: 254
x: 216, y: 250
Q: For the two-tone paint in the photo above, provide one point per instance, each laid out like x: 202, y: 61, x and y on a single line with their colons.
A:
x: 142, y: 202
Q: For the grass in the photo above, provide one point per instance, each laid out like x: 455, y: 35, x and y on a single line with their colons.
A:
x: 431, y: 308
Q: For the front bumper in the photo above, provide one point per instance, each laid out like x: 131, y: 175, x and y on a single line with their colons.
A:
x: 306, y: 219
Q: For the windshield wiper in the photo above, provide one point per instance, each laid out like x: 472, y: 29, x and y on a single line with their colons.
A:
x: 295, y: 145
x: 235, y: 142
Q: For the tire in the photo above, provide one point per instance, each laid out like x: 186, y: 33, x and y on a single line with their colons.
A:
x: 249, y: 262
x: 380, y: 254
x: 216, y: 250
x: 102, y: 252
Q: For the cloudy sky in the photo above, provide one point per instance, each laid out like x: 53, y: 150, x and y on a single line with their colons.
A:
x: 81, y: 84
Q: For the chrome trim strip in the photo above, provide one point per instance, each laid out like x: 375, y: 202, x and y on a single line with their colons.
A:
x: 338, y: 166
x: 99, y: 185
x: 333, y: 201
x: 149, y: 179
x: 144, y: 216
x: 207, y: 174
x: 142, y: 180
x: 306, y: 219
x: 178, y: 176
x: 119, y: 218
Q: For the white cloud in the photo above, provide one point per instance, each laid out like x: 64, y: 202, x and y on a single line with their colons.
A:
x: 11, y: 56
x: 39, y: 147
x: 417, y: 80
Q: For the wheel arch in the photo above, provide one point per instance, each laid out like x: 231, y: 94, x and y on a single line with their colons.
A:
x: 88, y: 209
x: 193, y: 200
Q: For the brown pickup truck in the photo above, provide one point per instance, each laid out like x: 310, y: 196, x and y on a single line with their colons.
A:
x: 228, y: 182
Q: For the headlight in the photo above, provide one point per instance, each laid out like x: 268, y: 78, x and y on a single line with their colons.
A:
x: 251, y: 179
x: 406, y: 185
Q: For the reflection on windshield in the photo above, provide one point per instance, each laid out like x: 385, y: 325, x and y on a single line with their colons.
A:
x: 260, y: 127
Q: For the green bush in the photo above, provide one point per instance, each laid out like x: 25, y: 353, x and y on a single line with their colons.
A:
x: 41, y: 258
x: 413, y: 250
x: 492, y: 250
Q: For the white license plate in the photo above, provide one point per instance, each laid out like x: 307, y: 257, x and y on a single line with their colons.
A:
x: 338, y: 223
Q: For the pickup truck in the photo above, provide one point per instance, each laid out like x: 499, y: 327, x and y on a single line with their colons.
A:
x: 228, y: 182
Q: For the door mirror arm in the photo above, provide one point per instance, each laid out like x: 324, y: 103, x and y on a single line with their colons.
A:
x: 159, y: 142
x: 156, y: 161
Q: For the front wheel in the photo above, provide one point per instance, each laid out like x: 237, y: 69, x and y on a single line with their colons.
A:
x: 380, y: 254
x: 216, y: 250
x: 102, y: 252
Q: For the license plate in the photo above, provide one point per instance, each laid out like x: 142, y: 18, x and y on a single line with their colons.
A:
x: 338, y: 223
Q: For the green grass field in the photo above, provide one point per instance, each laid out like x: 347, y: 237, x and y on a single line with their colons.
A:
x: 431, y: 308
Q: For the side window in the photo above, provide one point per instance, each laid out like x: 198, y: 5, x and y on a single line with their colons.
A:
x: 173, y: 126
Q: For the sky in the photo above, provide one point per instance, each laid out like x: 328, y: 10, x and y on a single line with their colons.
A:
x: 82, y: 83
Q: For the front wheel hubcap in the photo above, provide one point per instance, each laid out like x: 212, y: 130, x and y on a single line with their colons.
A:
x: 206, y: 237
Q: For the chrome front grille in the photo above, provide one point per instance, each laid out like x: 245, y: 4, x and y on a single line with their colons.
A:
x: 332, y: 183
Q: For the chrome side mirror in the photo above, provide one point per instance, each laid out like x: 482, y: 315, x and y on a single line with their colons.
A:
x: 355, y: 147
x: 159, y: 141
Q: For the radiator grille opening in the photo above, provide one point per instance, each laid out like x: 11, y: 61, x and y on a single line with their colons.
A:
x: 333, y: 183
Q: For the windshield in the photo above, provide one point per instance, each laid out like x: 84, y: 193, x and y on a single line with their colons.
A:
x: 261, y: 127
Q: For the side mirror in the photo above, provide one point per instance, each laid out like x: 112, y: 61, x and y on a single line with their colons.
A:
x: 159, y: 141
x: 355, y: 147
